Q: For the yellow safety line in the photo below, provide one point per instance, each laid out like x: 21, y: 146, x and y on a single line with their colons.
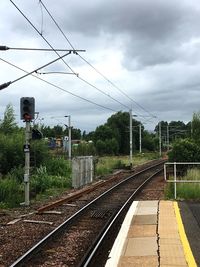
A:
x: 186, y: 246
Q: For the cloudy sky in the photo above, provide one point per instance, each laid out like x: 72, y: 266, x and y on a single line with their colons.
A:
x: 144, y: 54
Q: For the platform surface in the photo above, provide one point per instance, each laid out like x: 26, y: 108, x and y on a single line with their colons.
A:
x: 152, y: 235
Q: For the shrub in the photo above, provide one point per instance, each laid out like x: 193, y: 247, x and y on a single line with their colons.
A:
x: 58, y: 166
x: 184, y: 150
x: 11, y: 192
x: 11, y: 153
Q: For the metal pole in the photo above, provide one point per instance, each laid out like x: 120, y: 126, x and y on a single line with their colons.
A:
x: 165, y: 172
x: 167, y: 137
x: 131, y: 139
x: 140, y: 133
x: 160, y: 144
x: 174, y: 180
x: 70, y: 138
x: 27, y: 163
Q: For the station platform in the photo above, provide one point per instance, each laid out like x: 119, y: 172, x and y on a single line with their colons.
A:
x: 153, y: 235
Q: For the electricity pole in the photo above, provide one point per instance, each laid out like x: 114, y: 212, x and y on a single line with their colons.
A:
x: 167, y: 137
x: 131, y: 140
x: 140, y: 134
x: 70, y: 137
x: 160, y: 142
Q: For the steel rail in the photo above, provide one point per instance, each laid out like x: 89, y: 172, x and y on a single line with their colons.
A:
x: 88, y: 258
x: 37, y: 247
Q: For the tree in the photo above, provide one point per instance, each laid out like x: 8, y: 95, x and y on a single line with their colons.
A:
x: 103, y: 132
x: 196, y: 127
x: 185, y: 150
x: 120, y: 125
x: 8, y: 124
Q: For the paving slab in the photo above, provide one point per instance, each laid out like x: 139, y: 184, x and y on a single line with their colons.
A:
x: 171, y: 250
x: 148, y: 203
x: 144, y: 219
x: 170, y: 245
x: 141, y: 246
x: 167, y: 241
x: 152, y: 226
x: 138, y: 230
x: 147, y: 211
x: 146, y: 261
x: 172, y: 261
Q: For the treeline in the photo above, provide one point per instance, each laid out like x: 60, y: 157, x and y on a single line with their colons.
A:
x: 187, y: 149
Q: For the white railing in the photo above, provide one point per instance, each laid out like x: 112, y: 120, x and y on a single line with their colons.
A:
x: 175, y: 181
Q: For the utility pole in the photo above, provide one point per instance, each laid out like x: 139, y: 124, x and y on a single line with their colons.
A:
x: 70, y: 137
x: 140, y: 134
x: 160, y: 142
x: 167, y: 137
x: 131, y: 140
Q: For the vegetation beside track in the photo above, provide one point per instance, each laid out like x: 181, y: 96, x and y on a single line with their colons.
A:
x: 187, y: 191
x: 54, y: 177
x: 107, y: 164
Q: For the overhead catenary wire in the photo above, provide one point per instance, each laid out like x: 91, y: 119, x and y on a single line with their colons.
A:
x: 108, y: 80
x: 58, y: 87
x: 35, y: 70
x: 78, y: 76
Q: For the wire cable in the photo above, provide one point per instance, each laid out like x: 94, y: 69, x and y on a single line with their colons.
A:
x: 78, y: 76
x: 29, y: 73
x: 91, y: 64
x: 58, y: 87
x: 32, y: 25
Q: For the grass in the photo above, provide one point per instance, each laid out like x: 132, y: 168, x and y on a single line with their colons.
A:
x: 187, y: 191
x: 55, y: 177
x: 50, y: 179
x: 106, y: 165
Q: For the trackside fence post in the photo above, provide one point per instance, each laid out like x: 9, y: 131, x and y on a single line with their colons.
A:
x: 165, y: 172
x: 174, y: 180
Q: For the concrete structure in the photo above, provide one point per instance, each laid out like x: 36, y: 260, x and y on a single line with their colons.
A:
x: 82, y: 171
x: 152, y: 235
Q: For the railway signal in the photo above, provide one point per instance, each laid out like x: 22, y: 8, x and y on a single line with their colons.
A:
x: 27, y: 108
x: 27, y: 111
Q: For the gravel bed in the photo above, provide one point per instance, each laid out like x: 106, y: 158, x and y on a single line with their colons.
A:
x: 17, y: 238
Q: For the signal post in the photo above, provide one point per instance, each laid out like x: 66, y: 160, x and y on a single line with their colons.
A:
x: 27, y: 110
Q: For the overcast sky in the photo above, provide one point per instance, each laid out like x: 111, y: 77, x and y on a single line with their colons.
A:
x: 147, y: 50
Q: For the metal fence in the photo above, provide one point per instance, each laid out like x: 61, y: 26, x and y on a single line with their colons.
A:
x: 175, y: 176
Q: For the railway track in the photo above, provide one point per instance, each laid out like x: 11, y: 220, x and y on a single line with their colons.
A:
x: 79, y: 239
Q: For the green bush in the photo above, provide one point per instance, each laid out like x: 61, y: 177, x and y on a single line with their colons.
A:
x: 84, y: 149
x: 41, y: 181
x: 11, y: 153
x: 58, y: 166
x: 11, y: 192
x: 184, y: 150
